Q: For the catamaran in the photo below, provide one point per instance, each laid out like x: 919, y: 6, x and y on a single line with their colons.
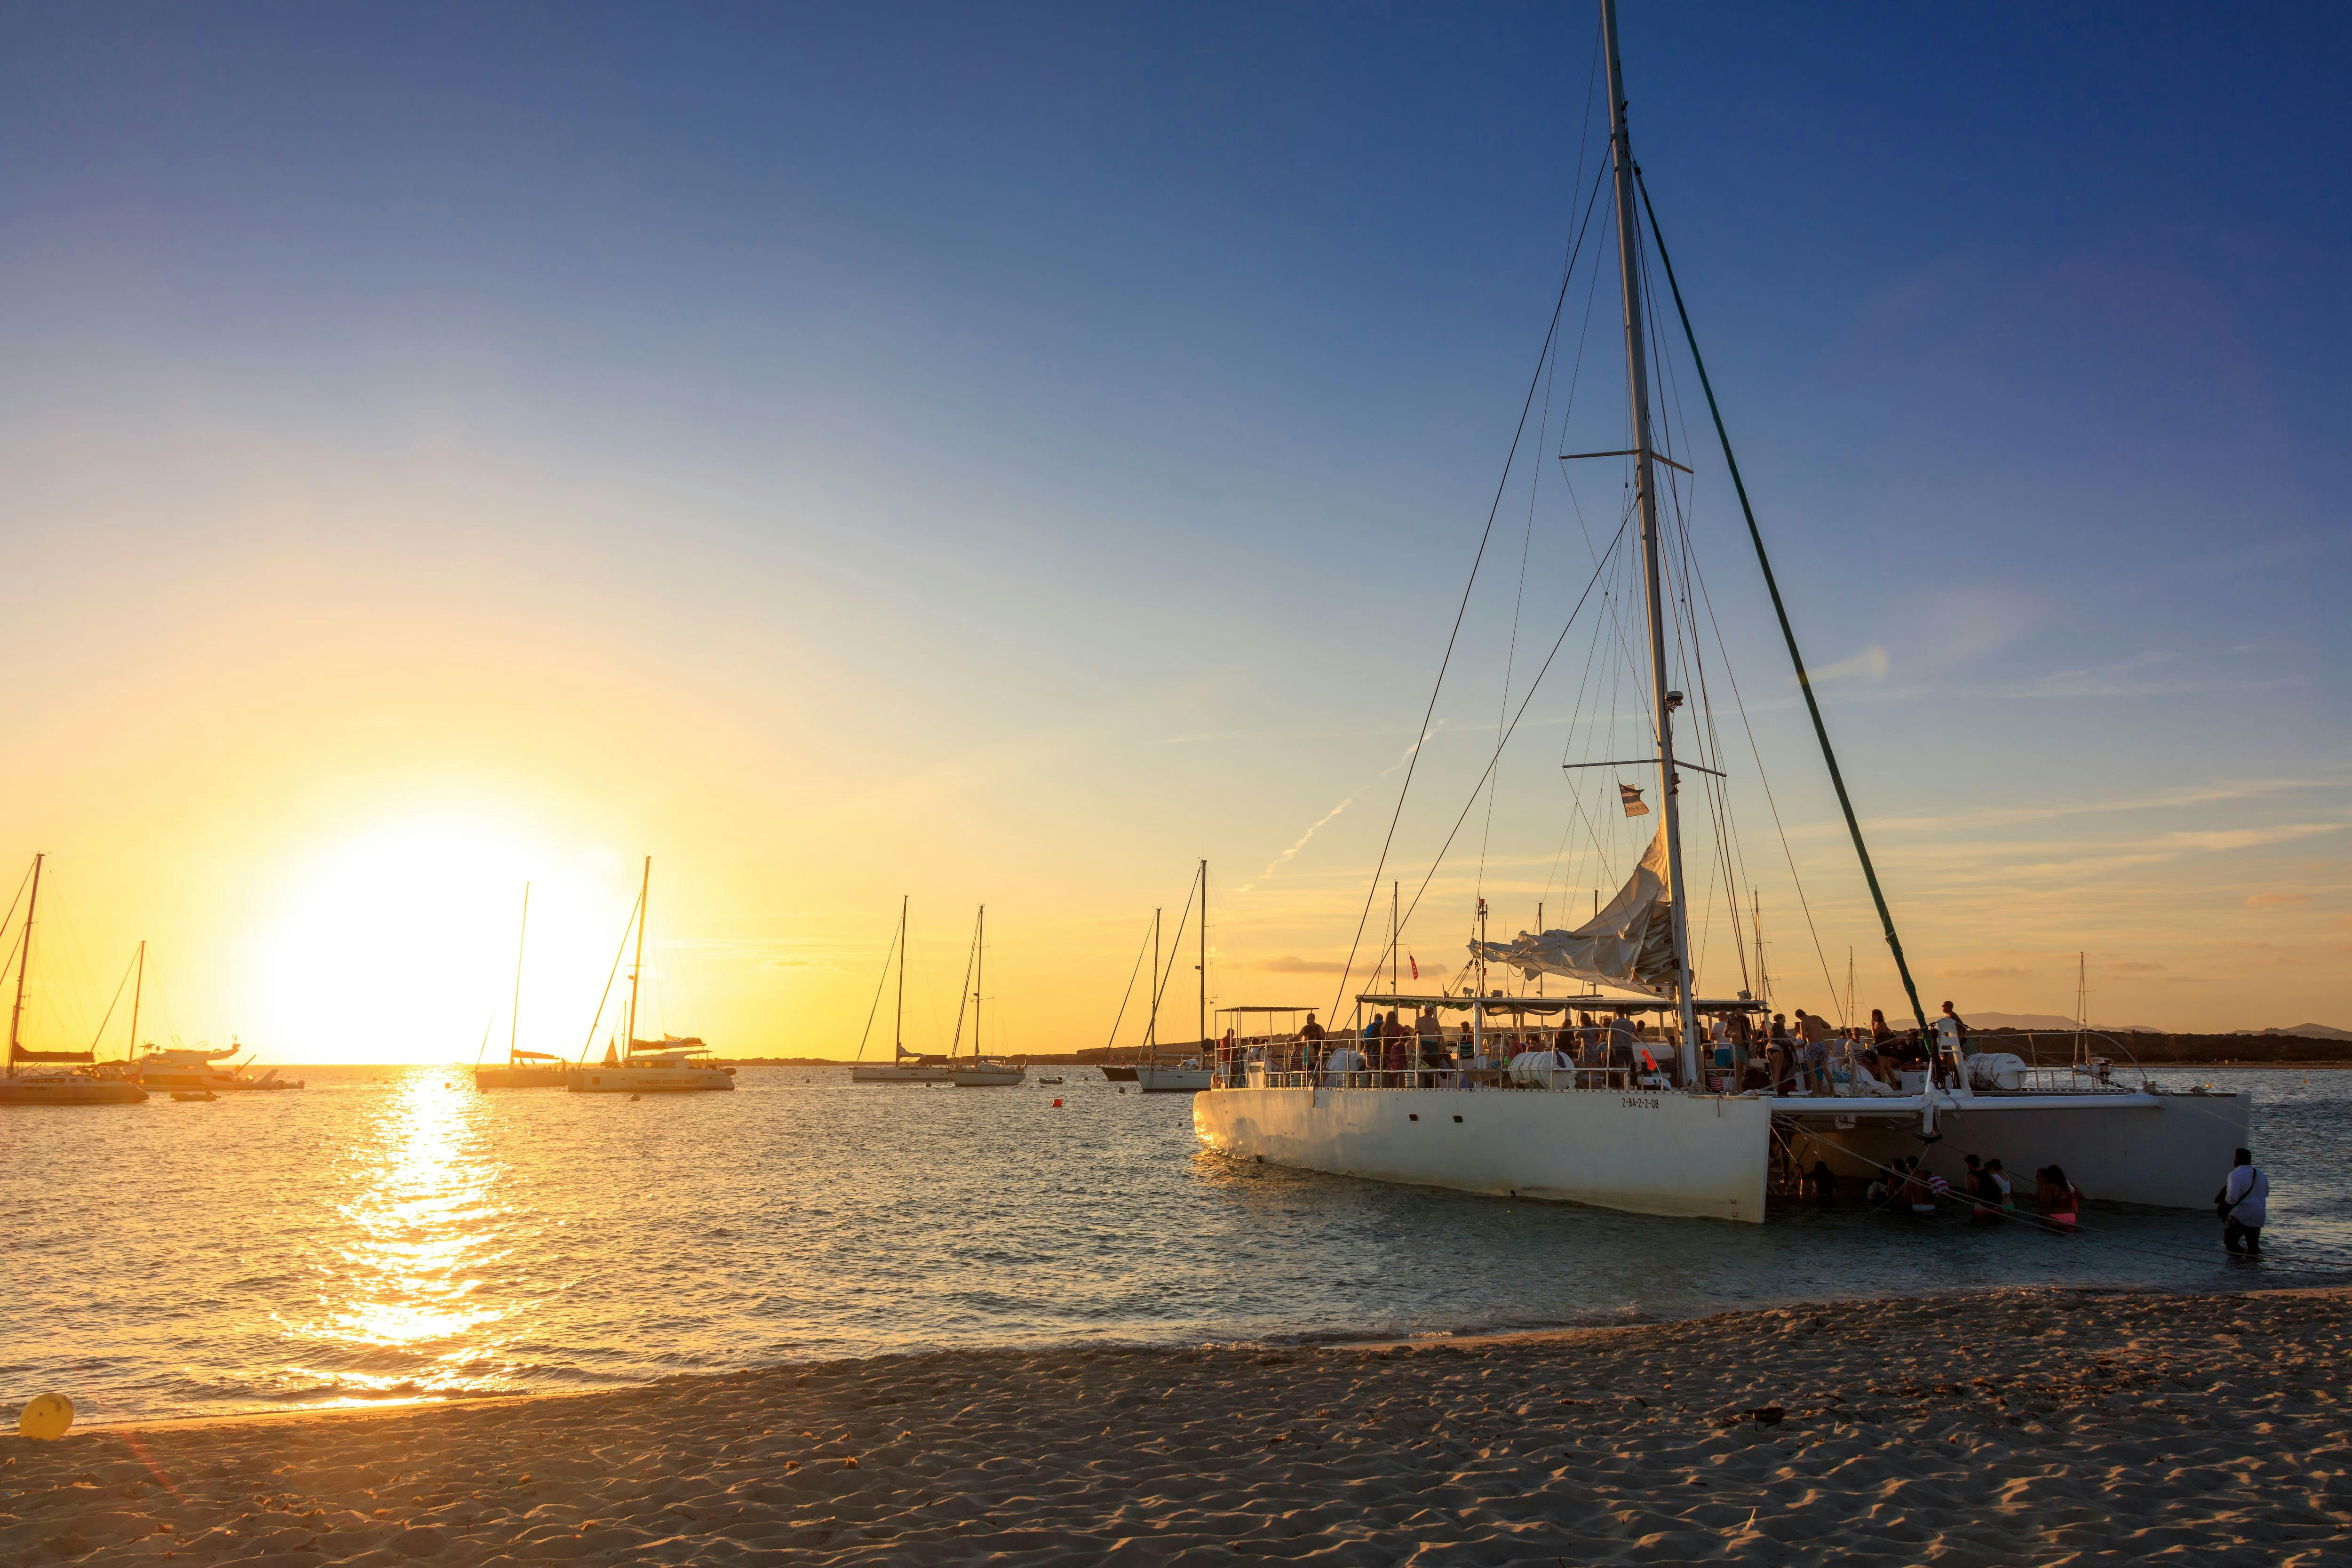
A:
x: 1506, y: 1111
x: 904, y: 1066
x: 671, y: 1065
x: 84, y: 1083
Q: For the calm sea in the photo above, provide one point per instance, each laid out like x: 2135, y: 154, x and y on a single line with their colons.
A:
x: 389, y: 1234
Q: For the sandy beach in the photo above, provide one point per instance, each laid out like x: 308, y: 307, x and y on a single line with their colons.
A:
x: 2003, y: 1427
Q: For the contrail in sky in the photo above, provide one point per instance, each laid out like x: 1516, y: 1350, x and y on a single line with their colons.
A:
x: 1351, y: 798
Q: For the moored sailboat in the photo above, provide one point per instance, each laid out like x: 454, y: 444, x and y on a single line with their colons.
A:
x: 521, y: 1069
x: 980, y: 1071
x: 83, y: 1083
x: 904, y: 1066
x: 672, y: 1065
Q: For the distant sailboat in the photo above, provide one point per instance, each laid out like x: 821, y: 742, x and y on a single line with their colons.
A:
x: 1191, y: 1073
x: 84, y: 1085
x: 982, y: 1072
x: 522, y: 1069
x: 674, y: 1064
x: 904, y: 1066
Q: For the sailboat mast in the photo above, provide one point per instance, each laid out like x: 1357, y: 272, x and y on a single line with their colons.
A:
x: 1637, y: 378
x: 1152, y: 1036
x: 898, y: 1025
x: 979, y: 977
x: 637, y: 967
x: 23, y: 963
x: 1204, y: 954
x: 514, y: 1015
x: 137, y: 987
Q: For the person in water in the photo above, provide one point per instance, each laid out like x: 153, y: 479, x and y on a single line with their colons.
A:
x: 2061, y: 1200
x: 2244, y: 1200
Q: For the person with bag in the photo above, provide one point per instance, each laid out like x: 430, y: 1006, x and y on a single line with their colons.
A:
x: 2241, y: 1205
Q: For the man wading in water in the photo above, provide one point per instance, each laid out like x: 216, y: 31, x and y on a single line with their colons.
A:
x: 2242, y: 1202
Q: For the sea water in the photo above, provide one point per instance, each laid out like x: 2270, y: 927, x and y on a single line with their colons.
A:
x: 390, y: 1235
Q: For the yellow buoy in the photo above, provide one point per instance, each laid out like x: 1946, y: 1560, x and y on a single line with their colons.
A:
x: 47, y: 1415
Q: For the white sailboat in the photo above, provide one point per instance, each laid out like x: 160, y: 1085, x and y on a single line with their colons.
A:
x: 980, y: 1071
x: 904, y: 1066
x: 83, y: 1082
x: 672, y: 1065
x: 1192, y: 1073
x: 521, y: 1069
x: 1661, y: 1136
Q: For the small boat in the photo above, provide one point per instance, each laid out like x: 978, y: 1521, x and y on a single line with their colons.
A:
x: 1046, y: 1080
x: 904, y: 1066
x: 1186, y: 1077
x: 521, y: 1069
x: 186, y: 1095
x: 982, y: 1072
x: 84, y: 1082
x: 674, y: 1064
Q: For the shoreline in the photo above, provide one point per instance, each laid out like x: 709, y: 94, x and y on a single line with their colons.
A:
x: 2004, y: 1424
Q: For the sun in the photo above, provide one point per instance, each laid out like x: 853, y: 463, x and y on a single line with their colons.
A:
x: 398, y: 942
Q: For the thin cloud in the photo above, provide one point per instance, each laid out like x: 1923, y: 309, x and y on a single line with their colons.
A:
x: 1289, y: 965
x: 2273, y: 900
x: 1870, y: 664
x: 1985, y: 972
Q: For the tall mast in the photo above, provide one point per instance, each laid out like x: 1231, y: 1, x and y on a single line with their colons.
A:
x: 898, y: 1026
x: 979, y: 977
x: 1152, y: 1035
x: 638, y: 966
x: 1204, y: 954
x: 23, y: 963
x: 1637, y: 379
x: 137, y: 987
x: 514, y: 1017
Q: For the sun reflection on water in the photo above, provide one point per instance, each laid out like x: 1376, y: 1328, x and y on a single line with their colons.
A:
x: 403, y: 1312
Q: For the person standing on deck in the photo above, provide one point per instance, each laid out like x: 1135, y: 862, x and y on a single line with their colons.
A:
x: 1951, y: 1042
x: 2244, y: 1199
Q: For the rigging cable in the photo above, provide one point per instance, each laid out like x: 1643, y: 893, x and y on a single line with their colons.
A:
x: 1804, y: 682
x: 1501, y: 486
x: 878, y: 984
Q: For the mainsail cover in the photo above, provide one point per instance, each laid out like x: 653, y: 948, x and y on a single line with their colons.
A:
x: 1629, y: 944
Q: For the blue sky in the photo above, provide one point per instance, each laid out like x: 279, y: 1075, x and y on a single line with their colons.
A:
x: 1068, y: 429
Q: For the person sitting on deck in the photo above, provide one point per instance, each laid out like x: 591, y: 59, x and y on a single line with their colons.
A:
x: 2061, y: 1199
x: 1881, y: 1036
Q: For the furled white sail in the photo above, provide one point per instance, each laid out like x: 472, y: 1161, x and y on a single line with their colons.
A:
x: 1629, y: 944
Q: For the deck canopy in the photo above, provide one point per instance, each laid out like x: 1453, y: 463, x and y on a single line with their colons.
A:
x: 1543, y: 1006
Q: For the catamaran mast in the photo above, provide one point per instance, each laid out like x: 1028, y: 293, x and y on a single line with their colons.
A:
x: 1204, y: 954
x: 23, y: 963
x: 1637, y: 377
x: 638, y: 965
x: 514, y: 1015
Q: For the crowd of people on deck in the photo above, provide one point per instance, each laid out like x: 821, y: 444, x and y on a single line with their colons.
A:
x: 1808, y: 1058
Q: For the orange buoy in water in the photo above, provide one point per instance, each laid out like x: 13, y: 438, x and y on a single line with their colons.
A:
x: 1057, y: 1105
x: 46, y: 1415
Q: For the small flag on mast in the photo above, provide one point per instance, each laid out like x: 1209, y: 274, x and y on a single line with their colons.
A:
x: 1631, y: 797
x: 1416, y: 965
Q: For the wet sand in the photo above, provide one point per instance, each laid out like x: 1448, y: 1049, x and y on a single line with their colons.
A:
x: 2012, y: 1427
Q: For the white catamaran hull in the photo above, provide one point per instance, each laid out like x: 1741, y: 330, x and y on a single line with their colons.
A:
x: 645, y: 1080
x: 2166, y: 1151
x: 1658, y: 1154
